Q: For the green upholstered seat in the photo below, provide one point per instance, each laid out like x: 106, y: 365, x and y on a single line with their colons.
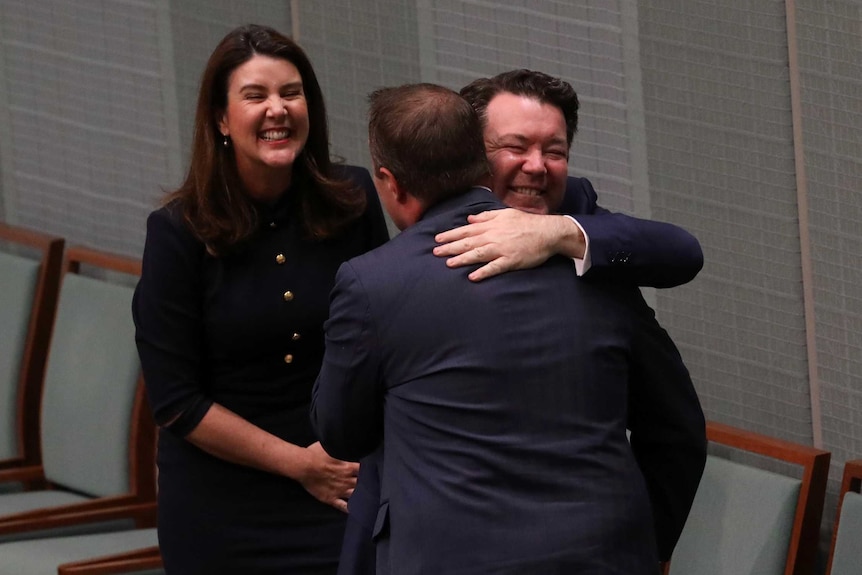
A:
x: 10, y: 487
x: 43, y: 556
x: 88, y: 397
x: 90, y: 387
x: 847, y: 555
x: 740, y: 523
x: 18, y: 279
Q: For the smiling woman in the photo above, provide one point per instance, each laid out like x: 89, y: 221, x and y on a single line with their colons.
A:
x: 237, y: 270
x: 267, y: 121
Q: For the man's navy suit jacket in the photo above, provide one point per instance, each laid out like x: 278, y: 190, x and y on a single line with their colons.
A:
x: 631, y: 250
x: 569, y: 357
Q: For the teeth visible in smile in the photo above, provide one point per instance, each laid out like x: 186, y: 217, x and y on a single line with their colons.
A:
x: 273, y: 135
x: 527, y: 191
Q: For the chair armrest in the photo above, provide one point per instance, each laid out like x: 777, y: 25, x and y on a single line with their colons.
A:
x: 852, y: 480
x: 138, y: 560
x: 143, y: 513
x: 764, y: 445
x: 24, y: 473
x: 11, y: 463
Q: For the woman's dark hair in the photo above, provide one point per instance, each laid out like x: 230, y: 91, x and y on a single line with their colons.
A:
x: 213, y: 202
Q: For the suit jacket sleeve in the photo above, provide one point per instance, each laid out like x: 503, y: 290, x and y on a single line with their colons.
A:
x: 631, y: 250
x: 668, y: 430
x: 347, y: 398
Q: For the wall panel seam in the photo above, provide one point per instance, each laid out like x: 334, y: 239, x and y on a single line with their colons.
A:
x: 804, y: 229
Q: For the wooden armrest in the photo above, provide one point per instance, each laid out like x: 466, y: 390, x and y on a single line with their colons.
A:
x: 27, y: 473
x: 763, y: 444
x: 77, y: 255
x: 119, y: 501
x: 137, y: 560
x: 852, y: 480
x: 11, y: 463
x: 144, y: 515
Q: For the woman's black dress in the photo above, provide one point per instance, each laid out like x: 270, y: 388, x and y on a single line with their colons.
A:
x: 244, y: 331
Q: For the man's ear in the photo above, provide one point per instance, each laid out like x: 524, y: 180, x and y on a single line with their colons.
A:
x: 391, y: 185
x: 404, y: 209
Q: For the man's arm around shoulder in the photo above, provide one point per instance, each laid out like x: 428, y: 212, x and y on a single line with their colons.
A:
x: 611, y: 246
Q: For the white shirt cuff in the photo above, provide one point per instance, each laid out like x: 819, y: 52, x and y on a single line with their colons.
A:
x: 582, y: 266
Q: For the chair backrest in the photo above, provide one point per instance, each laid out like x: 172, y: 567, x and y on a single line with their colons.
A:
x: 845, y: 556
x: 92, y: 398
x: 747, y: 520
x: 30, y: 266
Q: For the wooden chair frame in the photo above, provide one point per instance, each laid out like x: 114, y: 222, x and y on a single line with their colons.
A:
x: 34, y: 360
x: 138, y: 560
x: 139, y: 503
x: 852, y: 481
x: 802, y: 552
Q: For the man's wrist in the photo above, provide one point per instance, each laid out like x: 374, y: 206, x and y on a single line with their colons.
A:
x: 581, y: 246
x: 571, y: 240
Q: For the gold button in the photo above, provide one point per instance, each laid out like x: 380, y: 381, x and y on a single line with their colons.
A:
x: 280, y: 259
x: 295, y: 337
x: 288, y: 295
x: 288, y: 358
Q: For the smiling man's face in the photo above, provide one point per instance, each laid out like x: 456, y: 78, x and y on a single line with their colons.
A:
x: 525, y: 140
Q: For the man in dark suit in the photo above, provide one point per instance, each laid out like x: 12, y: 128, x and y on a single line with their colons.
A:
x: 667, y: 429
x: 521, y: 111
x: 505, y: 403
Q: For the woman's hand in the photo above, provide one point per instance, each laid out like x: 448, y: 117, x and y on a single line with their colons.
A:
x: 226, y: 435
x: 329, y: 480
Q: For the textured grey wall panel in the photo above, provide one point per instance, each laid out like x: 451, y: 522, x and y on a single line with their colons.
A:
x: 830, y: 57
x: 85, y: 117
x: 357, y: 47
x: 578, y: 41
x: 719, y: 148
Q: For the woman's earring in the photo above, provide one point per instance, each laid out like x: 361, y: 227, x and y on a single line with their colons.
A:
x: 226, y: 141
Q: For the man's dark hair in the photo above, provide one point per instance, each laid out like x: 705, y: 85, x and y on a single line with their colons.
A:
x: 429, y: 137
x: 542, y: 87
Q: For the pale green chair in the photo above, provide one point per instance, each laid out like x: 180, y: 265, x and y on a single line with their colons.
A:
x: 845, y: 557
x: 96, y: 434
x: 746, y: 520
x: 30, y: 264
